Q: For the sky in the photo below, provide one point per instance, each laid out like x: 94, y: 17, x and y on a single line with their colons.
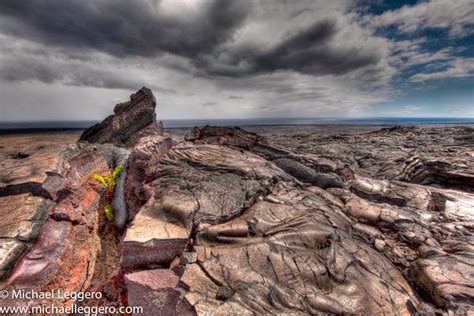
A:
x: 66, y: 60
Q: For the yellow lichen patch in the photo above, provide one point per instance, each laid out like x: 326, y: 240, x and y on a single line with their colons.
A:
x: 108, y: 181
x: 109, y: 213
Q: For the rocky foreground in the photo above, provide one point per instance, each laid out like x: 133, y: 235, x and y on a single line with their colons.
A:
x: 228, y: 222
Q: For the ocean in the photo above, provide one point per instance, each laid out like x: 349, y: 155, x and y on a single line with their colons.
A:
x: 179, y: 124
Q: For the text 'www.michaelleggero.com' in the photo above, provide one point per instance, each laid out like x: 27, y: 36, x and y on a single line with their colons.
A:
x: 20, y: 302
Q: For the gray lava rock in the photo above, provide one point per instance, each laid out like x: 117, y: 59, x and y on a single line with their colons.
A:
x: 306, y: 174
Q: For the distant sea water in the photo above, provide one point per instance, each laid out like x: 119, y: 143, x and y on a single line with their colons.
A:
x: 293, y: 126
x: 315, y: 121
x: 255, y: 123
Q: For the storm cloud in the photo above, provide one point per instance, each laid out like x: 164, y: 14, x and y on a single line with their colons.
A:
x: 245, y: 58
x: 147, y: 29
x: 123, y: 28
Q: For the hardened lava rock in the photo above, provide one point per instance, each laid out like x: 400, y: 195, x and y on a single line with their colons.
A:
x: 231, y: 222
x: 131, y: 121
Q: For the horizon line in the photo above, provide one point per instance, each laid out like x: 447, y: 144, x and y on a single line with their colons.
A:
x: 253, y: 118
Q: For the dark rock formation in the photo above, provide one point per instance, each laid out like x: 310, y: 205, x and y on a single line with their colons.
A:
x: 309, y: 175
x: 431, y: 156
x: 225, y: 136
x: 131, y: 120
x: 230, y: 222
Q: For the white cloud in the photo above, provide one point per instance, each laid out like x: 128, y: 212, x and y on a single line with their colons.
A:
x: 409, y: 53
x: 458, y: 68
x: 454, y: 15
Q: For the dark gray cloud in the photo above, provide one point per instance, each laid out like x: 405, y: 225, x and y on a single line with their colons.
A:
x: 69, y: 73
x: 26, y: 70
x: 305, y: 52
x: 143, y: 28
x: 122, y: 27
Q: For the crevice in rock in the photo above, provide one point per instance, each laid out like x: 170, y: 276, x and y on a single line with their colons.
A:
x: 379, y: 198
x: 20, y: 155
x: 203, y: 269
x: 34, y: 188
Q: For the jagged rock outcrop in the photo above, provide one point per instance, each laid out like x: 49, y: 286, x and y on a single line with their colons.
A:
x: 232, y: 222
x: 131, y: 121
x: 48, y: 193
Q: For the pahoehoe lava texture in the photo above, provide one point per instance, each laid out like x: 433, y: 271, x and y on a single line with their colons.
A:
x: 230, y: 222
